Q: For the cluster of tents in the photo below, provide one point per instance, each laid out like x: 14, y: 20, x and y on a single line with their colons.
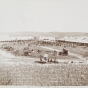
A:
x: 75, y: 40
x: 81, y: 39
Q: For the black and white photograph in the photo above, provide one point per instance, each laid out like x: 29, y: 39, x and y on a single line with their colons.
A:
x: 43, y: 43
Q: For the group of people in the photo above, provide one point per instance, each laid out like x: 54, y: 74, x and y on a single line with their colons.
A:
x: 49, y: 57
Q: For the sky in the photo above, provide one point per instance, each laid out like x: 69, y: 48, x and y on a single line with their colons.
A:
x: 44, y: 15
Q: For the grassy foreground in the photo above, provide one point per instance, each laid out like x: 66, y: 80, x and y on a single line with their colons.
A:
x: 44, y: 74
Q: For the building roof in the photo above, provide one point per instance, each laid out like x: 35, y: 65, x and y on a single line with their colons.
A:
x: 9, y: 38
x: 75, y: 39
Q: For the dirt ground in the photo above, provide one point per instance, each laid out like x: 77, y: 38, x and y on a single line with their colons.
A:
x: 21, y: 70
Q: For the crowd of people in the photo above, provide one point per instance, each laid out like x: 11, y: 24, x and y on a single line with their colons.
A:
x: 49, y: 56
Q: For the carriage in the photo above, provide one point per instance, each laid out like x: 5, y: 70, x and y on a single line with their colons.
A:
x: 63, y: 52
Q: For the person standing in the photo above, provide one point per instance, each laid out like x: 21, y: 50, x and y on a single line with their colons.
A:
x: 46, y: 57
x: 54, y: 56
x: 50, y: 57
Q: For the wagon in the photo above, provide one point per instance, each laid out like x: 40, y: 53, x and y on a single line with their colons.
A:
x: 63, y: 52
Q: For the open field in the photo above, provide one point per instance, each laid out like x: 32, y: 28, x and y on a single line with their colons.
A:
x: 44, y: 74
x: 74, y: 53
x: 25, y: 70
x: 18, y: 48
x: 78, y: 50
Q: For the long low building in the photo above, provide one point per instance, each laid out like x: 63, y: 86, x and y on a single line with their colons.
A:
x: 47, y: 39
x: 12, y: 38
x: 82, y: 40
x: 75, y: 40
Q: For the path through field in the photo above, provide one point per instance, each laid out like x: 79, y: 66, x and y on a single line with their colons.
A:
x: 9, y: 58
x: 6, y: 57
x: 70, y: 53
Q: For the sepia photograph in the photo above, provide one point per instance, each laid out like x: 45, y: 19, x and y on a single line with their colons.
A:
x: 44, y: 43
